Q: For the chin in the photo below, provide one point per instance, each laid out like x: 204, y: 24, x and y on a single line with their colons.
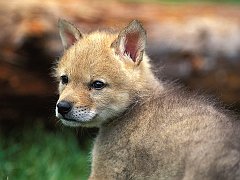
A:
x: 76, y: 123
x: 70, y: 123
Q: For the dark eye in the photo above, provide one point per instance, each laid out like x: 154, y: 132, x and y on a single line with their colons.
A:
x: 64, y: 79
x: 98, y: 85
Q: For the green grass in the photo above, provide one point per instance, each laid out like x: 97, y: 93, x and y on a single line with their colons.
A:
x: 40, y: 154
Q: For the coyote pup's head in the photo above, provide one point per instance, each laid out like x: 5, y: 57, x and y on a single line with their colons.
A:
x: 100, y: 74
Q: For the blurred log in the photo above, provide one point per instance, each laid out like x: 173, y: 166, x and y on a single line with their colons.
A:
x: 202, y: 49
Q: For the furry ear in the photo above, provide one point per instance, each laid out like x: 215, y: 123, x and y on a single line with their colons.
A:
x: 68, y: 32
x: 131, y: 41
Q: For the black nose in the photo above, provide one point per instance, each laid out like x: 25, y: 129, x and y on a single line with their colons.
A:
x: 64, y: 107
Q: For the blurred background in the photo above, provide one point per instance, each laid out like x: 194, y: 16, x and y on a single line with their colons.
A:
x: 196, y: 43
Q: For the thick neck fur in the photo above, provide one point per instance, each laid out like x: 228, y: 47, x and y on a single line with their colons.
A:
x: 159, y: 135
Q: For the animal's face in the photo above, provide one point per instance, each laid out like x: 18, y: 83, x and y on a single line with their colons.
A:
x: 97, y: 82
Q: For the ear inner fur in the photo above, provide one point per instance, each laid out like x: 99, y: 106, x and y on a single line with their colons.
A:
x: 69, y: 33
x: 131, y: 41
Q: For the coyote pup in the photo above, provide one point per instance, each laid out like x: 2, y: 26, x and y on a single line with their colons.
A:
x: 147, y: 129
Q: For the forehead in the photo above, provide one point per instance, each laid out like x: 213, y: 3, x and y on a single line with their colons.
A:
x: 90, y: 56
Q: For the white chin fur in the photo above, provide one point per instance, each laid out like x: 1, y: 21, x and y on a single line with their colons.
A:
x: 91, y: 123
x: 70, y: 123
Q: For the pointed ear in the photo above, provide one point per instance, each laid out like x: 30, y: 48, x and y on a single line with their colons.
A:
x: 131, y: 42
x: 68, y: 32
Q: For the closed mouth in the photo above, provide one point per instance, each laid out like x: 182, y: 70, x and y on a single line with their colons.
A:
x: 72, y: 120
x: 76, y: 121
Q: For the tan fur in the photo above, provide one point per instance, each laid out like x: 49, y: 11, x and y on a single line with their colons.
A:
x: 148, y: 129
